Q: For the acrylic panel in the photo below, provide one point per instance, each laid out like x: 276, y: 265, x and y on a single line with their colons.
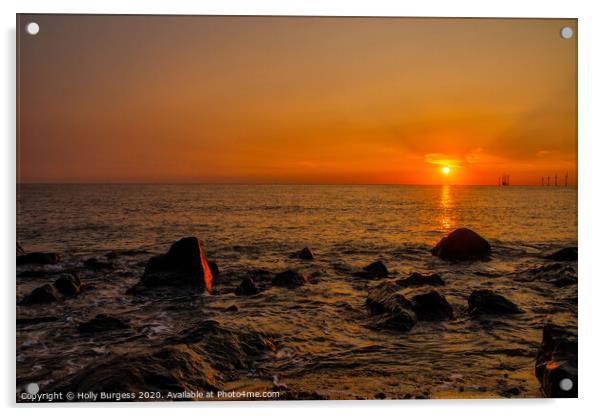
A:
x: 295, y: 208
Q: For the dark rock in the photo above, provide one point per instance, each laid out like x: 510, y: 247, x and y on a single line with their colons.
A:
x: 565, y: 281
x: 432, y: 306
x: 183, y: 265
x: 43, y: 294
x: 305, y: 254
x: 38, y: 320
x: 462, y: 244
x: 68, y: 284
x: 374, y: 270
x: 419, y: 279
x: 20, y: 250
x: 95, y: 264
x: 557, y: 360
x: 392, y: 309
x: 38, y: 258
x: 101, y: 323
x: 565, y: 254
x: 214, y: 269
x: 247, y: 287
x: 175, y: 369
x: 232, y: 308
x: 488, y: 302
x: 513, y: 391
x: 289, y: 279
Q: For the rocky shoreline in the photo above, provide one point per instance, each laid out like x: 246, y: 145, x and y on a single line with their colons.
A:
x: 209, y: 355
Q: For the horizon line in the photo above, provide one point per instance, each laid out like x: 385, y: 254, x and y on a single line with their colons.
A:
x: 286, y: 184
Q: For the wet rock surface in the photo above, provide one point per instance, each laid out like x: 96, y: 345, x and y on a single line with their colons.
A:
x: 183, y: 265
x: 432, y: 306
x: 461, y: 245
x: 487, y: 302
x: 556, y: 363
x: 304, y: 254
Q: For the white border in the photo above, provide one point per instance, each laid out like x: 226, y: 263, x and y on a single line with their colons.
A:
x: 590, y: 204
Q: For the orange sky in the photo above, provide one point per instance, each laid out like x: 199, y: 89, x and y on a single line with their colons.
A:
x: 295, y: 100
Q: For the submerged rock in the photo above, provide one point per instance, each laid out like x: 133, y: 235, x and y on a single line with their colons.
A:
x: 38, y: 258
x: 95, y: 264
x: 556, y: 362
x: 487, y: 302
x: 65, y: 286
x: 420, y: 279
x: 374, y: 270
x: 462, y: 244
x: 183, y: 265
x: 432, y: 306
x: 565, y: 254
x: 304, y: 254
x: 101, y: 323
x: 289, y: 279
x: 392, y: 309
x: 246, y: 287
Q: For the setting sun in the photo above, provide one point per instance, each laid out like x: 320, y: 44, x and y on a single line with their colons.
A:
x: 445, y: 170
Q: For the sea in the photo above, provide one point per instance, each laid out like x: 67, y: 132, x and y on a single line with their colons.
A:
x: 323, y: 337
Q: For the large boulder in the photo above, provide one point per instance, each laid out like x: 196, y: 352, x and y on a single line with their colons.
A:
x: 38, y: 258
x: 183, y: 265
x: 486, y: 302
x: 392, y: 310
x: 289, y: 279
x: 432, y: 306
x: 421, y: 279
x: 374, y: 270
x: 564, y: 254
x: 556, y: 362
x: 102, y: 323
x: 462, y: 244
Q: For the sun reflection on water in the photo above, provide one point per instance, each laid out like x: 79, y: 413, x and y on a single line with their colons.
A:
x: 446, y: 218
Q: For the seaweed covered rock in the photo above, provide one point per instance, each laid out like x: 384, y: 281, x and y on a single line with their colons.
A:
x: 564, y: 254
x: 102, y: 323
x: 38, y: 258
x: 374, y: 270
x: 432, y: 306
x: 183, y: 265
x: 556, y: 363
x: 461, y: 245
x: 421, y: 279
x: 246, y: 288
x: 487, y: 302
x: 289, y: 279
x: 392, y: 310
